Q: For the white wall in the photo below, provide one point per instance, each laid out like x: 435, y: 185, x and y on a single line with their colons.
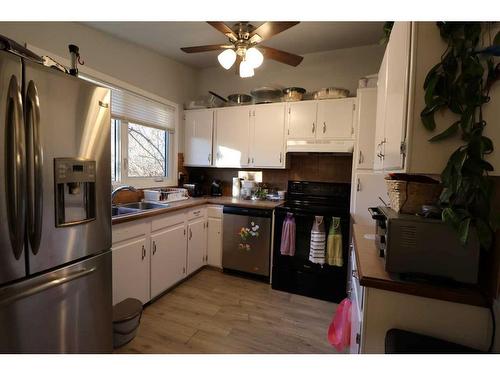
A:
x: 115, y: 57
x: 340, y: 68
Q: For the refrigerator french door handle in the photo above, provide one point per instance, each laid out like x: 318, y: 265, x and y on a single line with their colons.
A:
x: 35, y: 164
x: 15, y: 295
x: 15, y: 167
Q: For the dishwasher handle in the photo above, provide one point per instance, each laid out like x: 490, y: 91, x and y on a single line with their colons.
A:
x: 244, y: 211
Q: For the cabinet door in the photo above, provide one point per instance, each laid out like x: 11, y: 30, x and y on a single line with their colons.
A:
x: 335, y: 118
x: 268, y: 135
x: 214, y: 234
x: 366, y: 190
x: 396, y: 106
x: 131, y: 271
x: 198, y: 127
x: 365, y: 114
x: 232, y: 137
x: 302, y: 120
x: 197, y: 245
x: 378, y: 159
x: 168, y: 258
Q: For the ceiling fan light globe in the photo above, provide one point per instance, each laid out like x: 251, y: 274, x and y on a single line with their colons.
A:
x: 246, y: 69
x: 227, y: 58
x: 254, y: 57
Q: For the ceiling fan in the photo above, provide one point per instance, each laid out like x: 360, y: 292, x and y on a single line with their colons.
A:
x: 242, y: 47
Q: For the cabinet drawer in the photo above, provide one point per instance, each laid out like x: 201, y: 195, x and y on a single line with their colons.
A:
x: 126, y: 231
x: 214, y: 211
x: 196, y: 213
x: 168, y: 220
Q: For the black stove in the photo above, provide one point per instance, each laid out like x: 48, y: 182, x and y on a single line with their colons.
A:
x: 296, y: 274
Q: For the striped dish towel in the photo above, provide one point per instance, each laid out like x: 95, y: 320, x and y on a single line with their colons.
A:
x: 318, y: 241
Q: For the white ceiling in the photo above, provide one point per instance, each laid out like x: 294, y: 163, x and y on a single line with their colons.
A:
x: 167, y: 38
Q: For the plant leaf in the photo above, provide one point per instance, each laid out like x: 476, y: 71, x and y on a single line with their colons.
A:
x: 463, y: 230
x: 447, y: 133
x: 428, y: 120
x: 496, y: 41
x: 484, y: 234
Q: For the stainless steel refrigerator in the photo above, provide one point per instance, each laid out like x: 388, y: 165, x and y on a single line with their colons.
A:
x: 55, y: 219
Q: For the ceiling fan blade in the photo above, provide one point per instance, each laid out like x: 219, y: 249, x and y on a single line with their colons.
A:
x: 224, y: 29
x: 281, y: 56
x: 268, y: 29
x: 210, y: 47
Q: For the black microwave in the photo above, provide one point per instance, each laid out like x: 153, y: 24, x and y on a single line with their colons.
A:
x: 417, y: 246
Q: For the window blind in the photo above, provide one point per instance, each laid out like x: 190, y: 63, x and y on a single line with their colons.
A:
x: 138, y: 109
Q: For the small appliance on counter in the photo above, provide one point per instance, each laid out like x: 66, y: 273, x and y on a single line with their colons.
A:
x: 422, y: 247
x: 166, y: 195
x: 194, y: 189
x: 216, y: 188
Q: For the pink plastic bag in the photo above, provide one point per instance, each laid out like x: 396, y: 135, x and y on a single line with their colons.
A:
x: 339, y: 332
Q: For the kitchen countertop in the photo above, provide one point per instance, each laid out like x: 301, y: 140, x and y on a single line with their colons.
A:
x: 198, y: 201
x: 372, y: 274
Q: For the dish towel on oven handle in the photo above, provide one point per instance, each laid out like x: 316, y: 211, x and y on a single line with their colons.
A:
x: 318, y: 237
x: 287, y: 246
x: 334, y: 244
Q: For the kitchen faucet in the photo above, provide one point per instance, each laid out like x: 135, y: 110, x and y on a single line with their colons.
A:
x: 118, y: 189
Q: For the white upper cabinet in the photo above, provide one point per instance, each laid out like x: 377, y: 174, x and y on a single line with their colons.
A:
x: 380, y: 116
x: 335, y: 118
x: 302, y: 120
x: 365, y: 127
x: 232, y: 131
x: 198, y: 130
x: 268, y: 135
x: 392, y: 99
x: 398, y: 66
x: 401, y: 141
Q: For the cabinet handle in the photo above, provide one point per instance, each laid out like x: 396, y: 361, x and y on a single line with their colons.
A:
x: 248, y: 161
x: 184, y: 232
x: 358, y: 338
x: 154, y: 247
x: 190, y: 234
x: 354, y: 274
x: 358, y: 185
x: 196, y: 212
x: 324, y: 127
x: 360, y: 158
x: 143, y: 252
x: 313, y: 128
x: 183, y: 269
x: 281, y: 157
x: 209, y: 157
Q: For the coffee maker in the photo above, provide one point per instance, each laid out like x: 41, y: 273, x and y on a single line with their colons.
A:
x: 216, y: 188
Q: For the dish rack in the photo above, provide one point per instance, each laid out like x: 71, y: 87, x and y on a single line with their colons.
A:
x: 166, y: 195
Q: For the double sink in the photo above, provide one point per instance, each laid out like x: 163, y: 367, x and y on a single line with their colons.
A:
x: 136, y: 207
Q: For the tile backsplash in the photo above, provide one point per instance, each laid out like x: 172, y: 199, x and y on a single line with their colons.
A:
x: 300, y: 166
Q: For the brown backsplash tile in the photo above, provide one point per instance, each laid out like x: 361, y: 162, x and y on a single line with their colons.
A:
x: 300, y: 166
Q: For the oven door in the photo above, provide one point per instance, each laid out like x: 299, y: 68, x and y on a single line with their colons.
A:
x: 296, y: 274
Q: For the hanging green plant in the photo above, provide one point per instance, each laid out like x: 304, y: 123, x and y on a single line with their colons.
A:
x: 461, y: 83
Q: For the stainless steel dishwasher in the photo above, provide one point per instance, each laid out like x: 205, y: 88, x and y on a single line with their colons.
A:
x: 247, y: 240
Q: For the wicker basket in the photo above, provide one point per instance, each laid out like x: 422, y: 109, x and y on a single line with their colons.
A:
x: 408, y: 197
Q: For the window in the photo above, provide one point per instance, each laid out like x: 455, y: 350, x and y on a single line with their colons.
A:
x: 147, y: 151
x: 141, y: 141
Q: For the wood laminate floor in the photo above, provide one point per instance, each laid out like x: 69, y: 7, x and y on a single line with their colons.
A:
x: 214, y: 312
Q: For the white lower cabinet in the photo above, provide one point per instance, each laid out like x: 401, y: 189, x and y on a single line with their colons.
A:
x: 168, y: 258
x: 197, y: 245
x: 151, y: 255
x: 214, y: 242
x: 131, y: 270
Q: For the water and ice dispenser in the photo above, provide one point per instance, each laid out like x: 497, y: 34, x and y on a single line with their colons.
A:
x: 75, y: 191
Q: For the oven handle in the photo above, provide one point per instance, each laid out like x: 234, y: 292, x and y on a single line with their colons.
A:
x: 376, y: 214
x: 308, y: 213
